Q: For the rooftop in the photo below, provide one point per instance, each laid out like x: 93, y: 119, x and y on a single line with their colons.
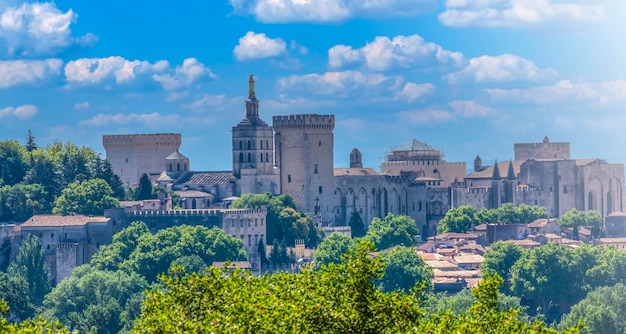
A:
x: 59, y: 220
x: 487, y: 173
x: 202, y: 178
x: 354, y: 171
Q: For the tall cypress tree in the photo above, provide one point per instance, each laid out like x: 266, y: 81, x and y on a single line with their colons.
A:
x: 31, y: 265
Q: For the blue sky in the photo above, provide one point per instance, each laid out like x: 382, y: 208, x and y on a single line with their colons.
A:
x: 466, y: 76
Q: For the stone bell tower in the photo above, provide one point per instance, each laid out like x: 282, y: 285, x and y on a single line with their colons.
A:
x: 253, y: 151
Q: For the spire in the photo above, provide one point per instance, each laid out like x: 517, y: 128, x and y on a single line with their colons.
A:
x: 496, y: 172
x: 510, y: 175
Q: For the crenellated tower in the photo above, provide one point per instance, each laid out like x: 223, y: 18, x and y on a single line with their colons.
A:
x: 304, y: 153
x: 253, y: 151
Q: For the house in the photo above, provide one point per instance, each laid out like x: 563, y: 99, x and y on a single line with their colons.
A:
x: 543, y: 225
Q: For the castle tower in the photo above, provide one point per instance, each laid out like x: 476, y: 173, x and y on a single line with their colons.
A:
x: 356, y: 159
x: 253, y: 151
x: 510, y: 184
x: 304, y: 153
x: 478, y: 164
x: 496, y: 188
x: 131, y: 155
x: 543, y: 150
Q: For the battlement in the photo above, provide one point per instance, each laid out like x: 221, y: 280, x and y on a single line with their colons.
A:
x: 304, y: 121
x: 195, y: 212
x: 66, y: 245
x: 543, y: 150
x: 157, y: 139
x: 423, y: 163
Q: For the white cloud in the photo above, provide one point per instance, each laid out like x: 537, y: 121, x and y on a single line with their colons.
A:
x: 28, y: 72
x: 82, y: 105
x: 400, y: 52
x: 501, y: 68
x: 22, y: 112
x: 115, y: 69
x: 424, y: 117
x: 342, y: 84
x: 469, y: 109
x: 151, y: 120
x: 190, y: 72
x: 565, y: 91
x: 283, y: 11
x: 96, y: 70
x: 207, y: 101
x: 38, y: 29
x: 258, y: 46
x: 412, y: 91
x: 514, y: 13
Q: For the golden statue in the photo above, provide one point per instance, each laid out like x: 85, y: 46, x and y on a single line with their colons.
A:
x: 251, y: 94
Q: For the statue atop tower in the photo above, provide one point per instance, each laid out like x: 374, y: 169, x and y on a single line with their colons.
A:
x: 251, y: 94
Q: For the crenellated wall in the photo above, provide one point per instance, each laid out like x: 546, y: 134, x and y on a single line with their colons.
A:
x: 131, y: 155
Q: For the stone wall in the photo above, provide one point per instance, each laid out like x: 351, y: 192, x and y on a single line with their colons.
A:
x: 304, y: 154
x: 132, y: 155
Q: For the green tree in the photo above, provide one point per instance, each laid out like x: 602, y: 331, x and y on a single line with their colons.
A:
x: 331, y: 249
x: 486, y: 216
x: 337, y: 298
x: 144, y: 188
x: 461, y: 302
x: 544, y: 277
x: 104, y: 171
x: 89, y: 197
x: 122, y: 246
x: 574, y: 219
x: 14, y: 290
x: 403, y: 270
x: 13, y: 167
x: 459, y: 220
x: 31, y: 265
x: 391, y: 231
x: 191, y: 263
x: 293, y: 224
x: 28, y: 326
x: 43, y: 172
x: 95, y: 299
x: 602, y: 311
x: 500, y: 258
x: 147, y: 254
x: 357, y: 227
x: 25, y: 200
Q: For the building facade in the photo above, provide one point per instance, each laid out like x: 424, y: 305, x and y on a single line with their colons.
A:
x: 132, y: 155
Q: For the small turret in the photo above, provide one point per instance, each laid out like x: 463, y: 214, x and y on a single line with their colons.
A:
x: 356, y: 159
x: 478, y: 164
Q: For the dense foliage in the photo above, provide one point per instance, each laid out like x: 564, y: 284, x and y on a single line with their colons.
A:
x: 463, y: 218
x: 89, y: 197
x: 105, y: 301
x: 391, y: 231
x: 552, y: 278
x: 135, y: 249
x: 32, y: 178
x: 575, y: 219
x: 602, y: 311
x: 357, y: 227
x: 339, y: 298
x: 404, y: 269
x: 284, y: 220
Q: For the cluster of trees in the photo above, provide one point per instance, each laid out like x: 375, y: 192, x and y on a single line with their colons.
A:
x: 26, y: 281
x: 284, y: 221
x: 336, y: 298
x: 552, y: 278
x: 105, y: 295
x: 575, y: 219
x: 32, y: 178
x: 463, y: 218
x: 396, y: 234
